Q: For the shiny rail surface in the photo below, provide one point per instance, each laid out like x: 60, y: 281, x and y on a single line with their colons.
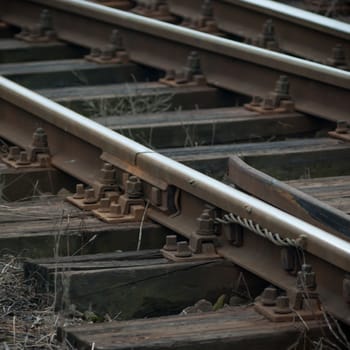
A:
x: 296, y: 31
x: 225, y: 63
x: 327, y: 253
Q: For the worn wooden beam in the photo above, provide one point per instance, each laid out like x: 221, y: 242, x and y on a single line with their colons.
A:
x: 136, y: 284
x: 233, y: 328
x: 12, y: 50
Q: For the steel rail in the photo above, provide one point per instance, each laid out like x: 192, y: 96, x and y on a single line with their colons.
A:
x: 77, y: 145
x: 316, y: 89
x: 298, y: 32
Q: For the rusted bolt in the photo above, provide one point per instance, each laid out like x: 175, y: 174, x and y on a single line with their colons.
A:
x: 107, y: 53
x: 268, y: 296
x: 107, y: 175
x: 134, y: 187
x: 115, y: 210
x: 256, y: 101
x: 193, y: 63
x: 95, y: 52
x: 306, y: 278
x: 45, y: 20
x: 282, y: 305
x: 104, y: 205
x: 116, y: 39
x: 268, y: 103
x: 156, y: 196
x: 44, y: 160
x: 170, y: 243
x: 282, y: 86
x: 342, y: 127
x: 89, y: 196
x: 79, y: 191
x: 23, y: 158
x: 207, y: 9
x: 268, y: 38
x: 13, y: 153
x: 205, y: 224
x: 39, y: 138
x: 182, y: 250
x: 288, y: 259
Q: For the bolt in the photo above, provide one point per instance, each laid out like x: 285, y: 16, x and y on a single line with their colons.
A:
x: 268, y: 296
x: 95, y: 52
x: 306, y: 278
x: 282, y: 305
x: 268, y: 104
x: 193, y: 65
x: 43, y: 160
x: 89, y: 196
x: 256, y: 101
x: 183, y: 251
x: 207, y: 9
x: 269, y: 31
x: 13, y: 153
x: 282, y: 86
x: 107, y: 174
x: 45, y: 21
x: 342, y: 127
x: 346, y: 288
x: 170, y: 243
x: 205, y: 224
x: 104, y: 205
x: 115, y: 210
x: 79, y: 191
x: 23, y: 158
x: 39, y: 138
x: 107, y: 53
x: 116, y: 39
x: 134, y: 187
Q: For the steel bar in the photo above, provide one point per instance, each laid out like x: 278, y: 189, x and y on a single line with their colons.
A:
x: 298, y: 32
x: 77, y: 144
x: 316, y: 89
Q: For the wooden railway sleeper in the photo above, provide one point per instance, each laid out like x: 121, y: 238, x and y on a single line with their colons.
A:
x: 114, y: 52
x: 36, y: 155
x: 43, y: 31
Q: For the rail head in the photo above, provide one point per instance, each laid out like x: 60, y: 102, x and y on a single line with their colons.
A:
x: 296, y: 15
x: 200, y: 40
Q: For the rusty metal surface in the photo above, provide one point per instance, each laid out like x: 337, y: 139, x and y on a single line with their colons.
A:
x: 178, y: 196
x: 225, y: 63
x: 299, y: 32
x: 288, y: 198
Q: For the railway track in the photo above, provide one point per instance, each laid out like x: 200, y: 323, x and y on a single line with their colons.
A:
x: 259, y: 182
x: 268, y: 24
